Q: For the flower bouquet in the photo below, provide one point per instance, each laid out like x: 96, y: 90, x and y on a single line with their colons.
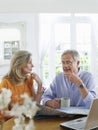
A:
x: 23, y: 112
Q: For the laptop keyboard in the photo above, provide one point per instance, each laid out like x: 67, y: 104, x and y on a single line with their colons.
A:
x: 76, y: 124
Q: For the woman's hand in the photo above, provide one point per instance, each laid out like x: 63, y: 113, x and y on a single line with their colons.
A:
x: 40, y: 89
x: 39, y: 82
x: 37, y: 79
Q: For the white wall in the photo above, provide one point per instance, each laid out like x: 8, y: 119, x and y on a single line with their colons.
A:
x: 31, y: 23
x: 27, y: 6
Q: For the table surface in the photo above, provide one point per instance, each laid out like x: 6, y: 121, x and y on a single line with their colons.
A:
x: 52, y: 123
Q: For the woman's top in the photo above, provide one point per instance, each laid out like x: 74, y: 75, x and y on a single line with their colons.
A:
x: 17, y: 90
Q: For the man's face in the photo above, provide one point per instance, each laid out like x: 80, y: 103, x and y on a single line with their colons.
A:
x: 69, y: 65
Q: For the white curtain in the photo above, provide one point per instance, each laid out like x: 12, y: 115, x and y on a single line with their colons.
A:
x: 44, y: 43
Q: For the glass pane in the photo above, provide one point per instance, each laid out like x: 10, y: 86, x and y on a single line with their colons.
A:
x: 9, y: 42
x: 83, y: 31
x: 10, y: 47
x: 62, y: 42
x: 62, y: 36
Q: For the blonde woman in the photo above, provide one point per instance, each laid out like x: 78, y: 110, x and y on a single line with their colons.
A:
x: 20, y: 78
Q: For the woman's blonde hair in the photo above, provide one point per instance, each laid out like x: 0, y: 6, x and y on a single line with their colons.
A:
x: 18, y: 60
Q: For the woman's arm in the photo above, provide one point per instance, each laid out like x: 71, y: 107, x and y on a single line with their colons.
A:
x: 38, y: 94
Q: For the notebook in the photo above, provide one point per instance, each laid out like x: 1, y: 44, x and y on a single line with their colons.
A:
x: 84, y: 123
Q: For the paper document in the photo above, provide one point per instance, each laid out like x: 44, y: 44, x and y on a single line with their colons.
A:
x: 74, y: 110
x: 45, y: 110
x: 65, y: 111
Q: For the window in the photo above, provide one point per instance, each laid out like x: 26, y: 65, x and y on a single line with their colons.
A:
x: 10, y: 47
x: 11, y: 37
x: 74, y: 31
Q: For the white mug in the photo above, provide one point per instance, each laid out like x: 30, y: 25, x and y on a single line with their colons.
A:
x: 65, y: 102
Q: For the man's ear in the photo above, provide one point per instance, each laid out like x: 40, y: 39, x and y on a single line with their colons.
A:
x: 78, y: 63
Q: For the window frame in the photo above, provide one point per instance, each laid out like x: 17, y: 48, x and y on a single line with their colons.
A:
x: 21, y: 26
x: 72, y: 20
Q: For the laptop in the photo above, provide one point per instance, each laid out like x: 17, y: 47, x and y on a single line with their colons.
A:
x: 85, y: 123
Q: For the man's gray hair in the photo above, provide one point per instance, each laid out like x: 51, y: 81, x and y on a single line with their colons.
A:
x: 74, y: 54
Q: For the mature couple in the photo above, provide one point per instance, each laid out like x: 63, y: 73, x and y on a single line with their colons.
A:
x: 74, y: 83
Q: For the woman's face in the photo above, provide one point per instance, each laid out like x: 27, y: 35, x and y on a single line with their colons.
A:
x: 28, y: 68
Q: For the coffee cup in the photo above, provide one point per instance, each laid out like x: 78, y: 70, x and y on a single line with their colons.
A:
x: 65, y: 102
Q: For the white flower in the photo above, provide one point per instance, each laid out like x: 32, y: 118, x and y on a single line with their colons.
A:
x: 27, y: 109
x: 18, y: 127
x: 19, y: 120
x: 5, y: 98
x: 30, y: 125
x: 19, y: 123
x: 30, y: 106
x: 17, y: 110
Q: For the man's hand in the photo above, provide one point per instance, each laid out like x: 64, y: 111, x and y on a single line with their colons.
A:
x: 73, y: 78
x: 55, y: 103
